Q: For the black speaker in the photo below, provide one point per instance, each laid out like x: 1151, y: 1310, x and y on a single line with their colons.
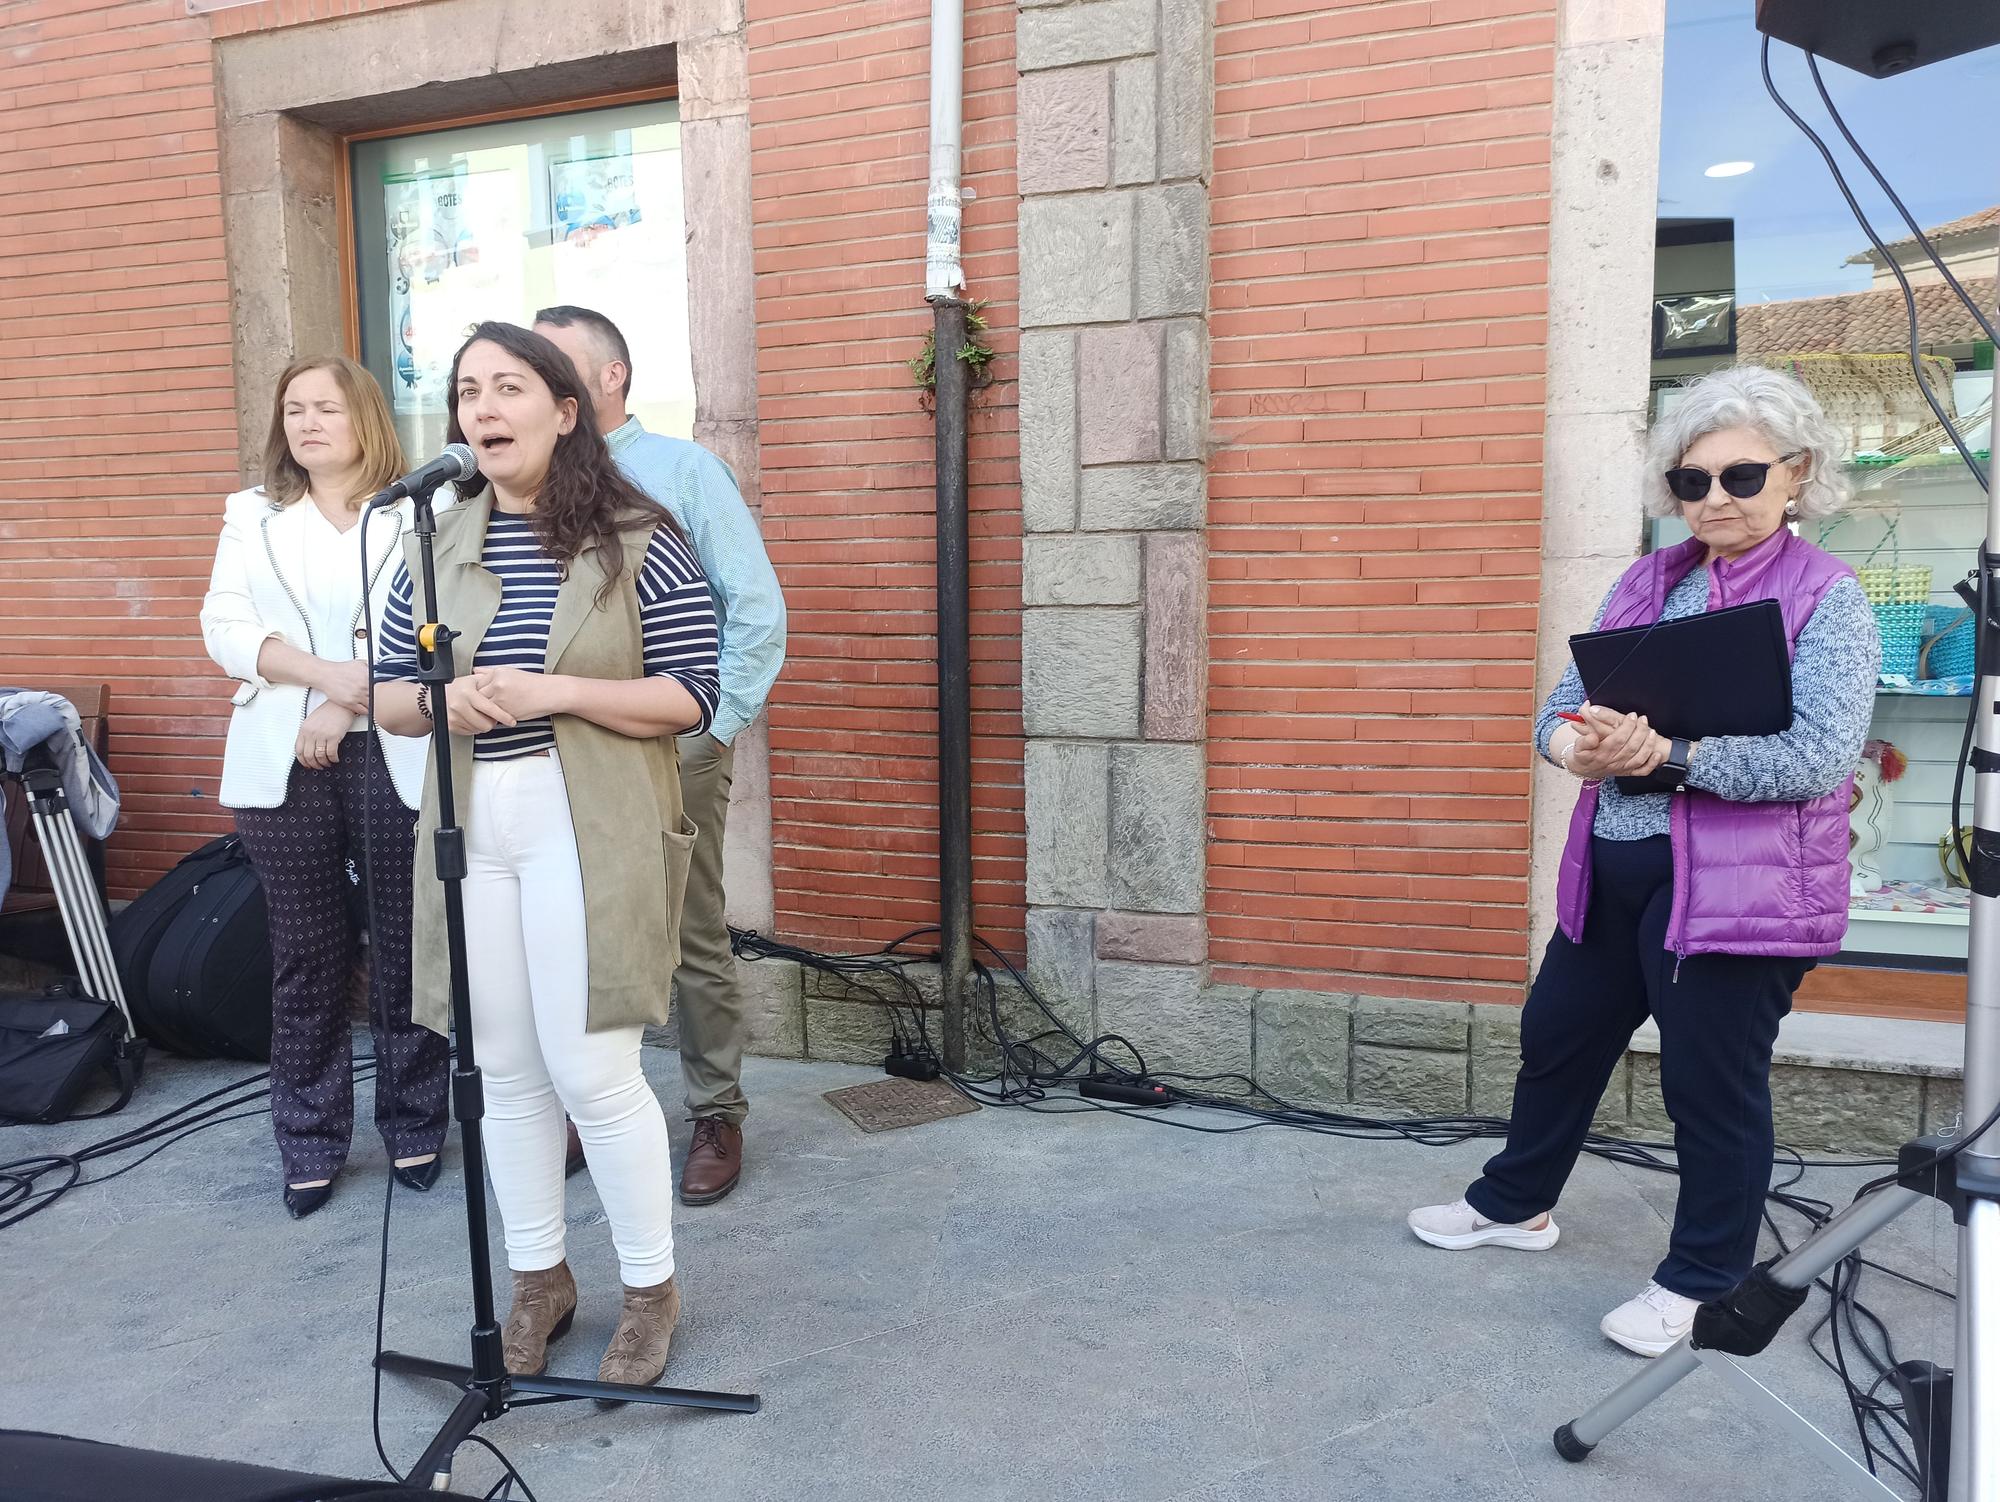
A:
x: 1882, y: 37
x: 54, y: 1468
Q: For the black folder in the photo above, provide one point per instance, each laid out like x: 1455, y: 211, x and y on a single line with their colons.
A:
x: 1724, y: 672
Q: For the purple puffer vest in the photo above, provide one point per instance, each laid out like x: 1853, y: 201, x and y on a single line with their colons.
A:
x: 1749, y: 878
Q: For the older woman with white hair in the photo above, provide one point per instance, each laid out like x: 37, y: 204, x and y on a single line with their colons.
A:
x: 1702, y: 906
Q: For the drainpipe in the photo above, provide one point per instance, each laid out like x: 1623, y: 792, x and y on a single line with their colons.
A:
x: 944, y: 279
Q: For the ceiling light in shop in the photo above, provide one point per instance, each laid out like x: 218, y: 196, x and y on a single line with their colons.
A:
x: 1729, y: 169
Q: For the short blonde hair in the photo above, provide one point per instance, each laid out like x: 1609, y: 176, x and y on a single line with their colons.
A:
x: 1752, y: 396
x: 285, y: 480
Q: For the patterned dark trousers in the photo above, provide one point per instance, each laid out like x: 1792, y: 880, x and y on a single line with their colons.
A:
x: 301, y: 852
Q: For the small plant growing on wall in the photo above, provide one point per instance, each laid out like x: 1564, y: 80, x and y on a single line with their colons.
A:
x: 975, y: 352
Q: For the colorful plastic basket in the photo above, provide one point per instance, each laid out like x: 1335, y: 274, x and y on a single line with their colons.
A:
x: 1948, y: 643
x: 1900, y: 597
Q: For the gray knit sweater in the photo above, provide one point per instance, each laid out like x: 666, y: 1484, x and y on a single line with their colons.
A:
x: 1834, y: 668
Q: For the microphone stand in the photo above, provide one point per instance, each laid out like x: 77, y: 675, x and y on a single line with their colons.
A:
x: 488, y: 1389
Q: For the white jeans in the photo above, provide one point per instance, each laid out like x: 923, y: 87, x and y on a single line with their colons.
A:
x: 524, y: 939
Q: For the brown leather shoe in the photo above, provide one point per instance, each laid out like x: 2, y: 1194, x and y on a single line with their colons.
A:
x: 572, y: 1149
x: 714, y: 1161
x: 544, y: 1304
x: 637, y: 1354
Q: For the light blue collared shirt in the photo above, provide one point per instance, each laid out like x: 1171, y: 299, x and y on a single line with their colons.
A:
x: 698, y: 491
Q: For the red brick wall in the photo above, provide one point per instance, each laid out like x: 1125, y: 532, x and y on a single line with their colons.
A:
x: 839, y: 136
x: 1380, y: 233
x: 116, y: 408
x: 117, y: 403
x: 119, y: 425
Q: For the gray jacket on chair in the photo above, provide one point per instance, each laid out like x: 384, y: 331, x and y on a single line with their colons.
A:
x: 31, y: 719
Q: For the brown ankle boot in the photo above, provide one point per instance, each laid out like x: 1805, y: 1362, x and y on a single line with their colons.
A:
x: 638, y: 1350
x: 544, y: 1304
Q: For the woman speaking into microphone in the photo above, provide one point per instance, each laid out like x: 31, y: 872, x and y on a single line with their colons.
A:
x: 591, y: 642
x: 1705, y: 906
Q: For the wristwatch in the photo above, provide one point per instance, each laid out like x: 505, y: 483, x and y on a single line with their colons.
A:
x: 1675, y: 767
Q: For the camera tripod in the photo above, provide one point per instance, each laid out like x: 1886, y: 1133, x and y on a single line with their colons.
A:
x: 489, y: 1390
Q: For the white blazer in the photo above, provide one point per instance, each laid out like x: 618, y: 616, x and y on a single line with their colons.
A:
x: 256, y: 592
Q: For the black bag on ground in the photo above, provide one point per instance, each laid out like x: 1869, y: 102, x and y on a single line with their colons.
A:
x: 195, y: 954
x: 137, y: 929
x: 54, y: 1046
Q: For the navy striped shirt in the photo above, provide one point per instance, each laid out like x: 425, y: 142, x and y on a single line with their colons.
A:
x: 676, y: 613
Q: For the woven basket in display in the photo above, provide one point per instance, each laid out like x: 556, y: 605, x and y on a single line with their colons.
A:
x: 1873, y: 399
x: 1899, y: 594
x: 1948, y: 643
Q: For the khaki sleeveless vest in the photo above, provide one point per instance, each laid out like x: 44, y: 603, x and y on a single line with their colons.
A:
x: 633, y: 841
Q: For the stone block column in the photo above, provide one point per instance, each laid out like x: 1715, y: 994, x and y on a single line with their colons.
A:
x: 1603, y: 191
x: 1115, y: 117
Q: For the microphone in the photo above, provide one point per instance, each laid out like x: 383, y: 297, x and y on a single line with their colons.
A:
x: 457, y: 462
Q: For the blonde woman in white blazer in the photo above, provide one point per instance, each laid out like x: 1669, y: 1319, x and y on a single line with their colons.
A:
x: 285, y: 616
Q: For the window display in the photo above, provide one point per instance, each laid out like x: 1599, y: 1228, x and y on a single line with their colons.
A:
x: 497, y: 220
x: 1758, y: 260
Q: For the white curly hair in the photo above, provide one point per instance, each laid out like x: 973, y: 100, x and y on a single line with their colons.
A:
x: 1752, y: 396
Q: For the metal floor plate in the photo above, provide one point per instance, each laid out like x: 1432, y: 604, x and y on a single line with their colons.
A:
x: 884, y: 1105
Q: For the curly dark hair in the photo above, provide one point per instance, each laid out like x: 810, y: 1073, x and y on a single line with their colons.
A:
x: 585, y: 501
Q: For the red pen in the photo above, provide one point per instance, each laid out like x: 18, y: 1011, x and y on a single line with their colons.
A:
x: 1574, y: 719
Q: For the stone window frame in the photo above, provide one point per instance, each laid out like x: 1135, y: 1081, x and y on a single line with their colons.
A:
x: 289, y: 100
x: 287, y: 96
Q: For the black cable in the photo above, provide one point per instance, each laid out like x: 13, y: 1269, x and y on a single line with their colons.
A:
x: 1891, y: 1435
x: 1882, y: 182
x: 375, y: 1409
x: 240, y: 1100
x: 381, y: 1314
x: 1845, y: 1307
x: 1863, y: 1403
x: 1025, y: 1077
x: 1029, y: 1077
x: 368, y: 791
x: 1958, y: 842
x: 1971, y: 306
x: 512, y: 1475
x: 1028, y: 1074
x: 1894, y: 266
x: 1864, y: 1407
x: 371, y: 777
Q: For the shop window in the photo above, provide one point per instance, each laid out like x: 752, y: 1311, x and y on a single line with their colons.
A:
x: 1758, y: 260
x: 497, y: 220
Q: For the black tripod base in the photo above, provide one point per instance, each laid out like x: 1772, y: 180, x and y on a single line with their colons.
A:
x: 1926, y: 1390
x: 482, y: 1403
x: 1569, y: 1447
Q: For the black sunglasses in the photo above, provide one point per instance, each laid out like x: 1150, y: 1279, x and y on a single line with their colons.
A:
x: 1690, y: 484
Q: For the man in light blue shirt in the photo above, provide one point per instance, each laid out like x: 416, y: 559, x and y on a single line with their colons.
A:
x: 697, y: 489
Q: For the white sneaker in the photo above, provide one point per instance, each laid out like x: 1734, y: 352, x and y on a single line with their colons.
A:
x: 1653, y: 1323
x: 1458, y: 1227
